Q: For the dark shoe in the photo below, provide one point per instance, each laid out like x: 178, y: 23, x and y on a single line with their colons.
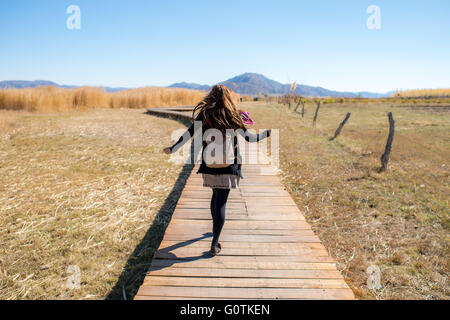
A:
x: 215, y: 250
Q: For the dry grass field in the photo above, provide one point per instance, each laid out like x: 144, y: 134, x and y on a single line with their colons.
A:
x: 81, y: 189
x: 397, y: 220
x: 92, y: 189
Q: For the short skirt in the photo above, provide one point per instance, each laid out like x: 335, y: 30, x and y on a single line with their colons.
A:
x: 221, y: 181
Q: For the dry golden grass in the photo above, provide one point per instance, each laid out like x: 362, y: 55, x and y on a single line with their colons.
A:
x: 52, y: 99
x: 82, y: 188
x: 398, y: 220
x: 155, y: 97
x: 423, y: 93
x: 79, y: 188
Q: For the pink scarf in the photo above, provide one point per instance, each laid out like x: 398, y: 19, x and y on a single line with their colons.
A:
x: 245, y: 116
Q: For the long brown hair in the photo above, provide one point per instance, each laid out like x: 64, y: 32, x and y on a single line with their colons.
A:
x: 218, y: 110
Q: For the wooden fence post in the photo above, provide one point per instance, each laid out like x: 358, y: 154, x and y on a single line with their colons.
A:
x: 298, y: 104
x: 387, y: 150
x: 315, y: 115
x: 303, y: 110
x: 338, y: 131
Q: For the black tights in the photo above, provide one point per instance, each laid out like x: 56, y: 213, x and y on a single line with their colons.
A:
x: 218, y: 205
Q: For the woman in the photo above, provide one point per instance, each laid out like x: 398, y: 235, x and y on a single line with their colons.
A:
x: 218, y: 114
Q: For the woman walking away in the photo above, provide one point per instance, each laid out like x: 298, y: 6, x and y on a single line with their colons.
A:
x: 221, y: 161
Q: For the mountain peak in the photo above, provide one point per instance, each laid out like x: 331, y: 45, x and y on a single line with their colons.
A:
x: 254, y: 83
x: 249, y: 76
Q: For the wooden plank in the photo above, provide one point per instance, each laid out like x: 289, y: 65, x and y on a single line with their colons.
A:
x: 262, y: 259
x: 255, y: 224
x: 247, y: 237
x: 246, y: 211
x: 205, y: 244
x: 254, y: 210
x: 197, y: 205
x: 246, y: 282
x: 246, y: 293
x: 206, y: 199
x: 196, y: 215
x: 198, y: 230
x: 236, y: 263
x: 226, y: 251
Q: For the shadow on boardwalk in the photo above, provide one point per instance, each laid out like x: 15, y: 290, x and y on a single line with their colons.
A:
x: 140, y: 260
x: 170, y: 259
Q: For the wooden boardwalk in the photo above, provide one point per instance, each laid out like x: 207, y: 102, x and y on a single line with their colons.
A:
x: 268, y: 249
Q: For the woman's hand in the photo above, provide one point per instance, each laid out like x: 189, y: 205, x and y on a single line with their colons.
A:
x: 167, y: 151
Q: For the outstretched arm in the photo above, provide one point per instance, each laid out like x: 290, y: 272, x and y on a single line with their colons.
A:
x: 187, y: 135
x: 250, y: 137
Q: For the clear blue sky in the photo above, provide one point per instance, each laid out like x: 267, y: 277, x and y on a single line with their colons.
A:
x: 147, y: 42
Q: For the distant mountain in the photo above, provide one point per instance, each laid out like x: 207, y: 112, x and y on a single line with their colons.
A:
x: 109, y: 89
x: 192, y: 86
x: 365, y: 94
x: 20, y: 84
x: 25, y: 84
x: 252, y: 84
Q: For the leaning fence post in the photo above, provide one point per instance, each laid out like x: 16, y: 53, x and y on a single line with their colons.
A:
x: 303, y: 110
x: 315, y: 115
x: 298, y: 104
x: 387, y: 151
x: 338, y: 131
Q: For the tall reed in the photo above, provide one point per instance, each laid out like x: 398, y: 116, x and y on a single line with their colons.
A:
x: 423, y: 93
x: 52, y: 99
